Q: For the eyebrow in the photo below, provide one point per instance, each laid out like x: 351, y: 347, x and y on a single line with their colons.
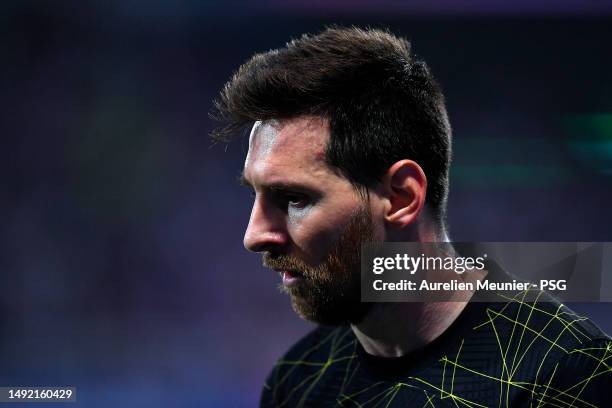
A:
x: 243, y: 181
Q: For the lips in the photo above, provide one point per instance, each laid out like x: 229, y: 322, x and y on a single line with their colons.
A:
x: 291, y: 277
x: 292, y: 273
x: 289, y: 272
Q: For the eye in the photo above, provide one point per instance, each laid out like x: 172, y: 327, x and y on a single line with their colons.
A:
x: 295, y: 200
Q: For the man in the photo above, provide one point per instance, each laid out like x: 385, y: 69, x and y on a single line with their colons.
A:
x: 351, y: 144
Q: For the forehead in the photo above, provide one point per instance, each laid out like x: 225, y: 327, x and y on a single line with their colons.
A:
x: 290, y: 146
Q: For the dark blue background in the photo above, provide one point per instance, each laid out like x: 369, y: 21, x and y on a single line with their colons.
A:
x: 122, y: 270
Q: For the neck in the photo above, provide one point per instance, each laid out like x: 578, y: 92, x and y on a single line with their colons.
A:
x: 396, y: 329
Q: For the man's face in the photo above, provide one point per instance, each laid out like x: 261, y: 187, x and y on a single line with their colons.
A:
x: 307, y: 220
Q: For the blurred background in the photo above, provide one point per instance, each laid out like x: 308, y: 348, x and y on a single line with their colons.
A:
x: 122, y: 270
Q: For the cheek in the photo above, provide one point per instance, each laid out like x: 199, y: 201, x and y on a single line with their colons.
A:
x: 378, y: 229
x: 314, y: 242
x: 377, y: 210
x: 315, y: 233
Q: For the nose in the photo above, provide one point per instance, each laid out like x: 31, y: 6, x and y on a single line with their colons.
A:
x: 266, y: 230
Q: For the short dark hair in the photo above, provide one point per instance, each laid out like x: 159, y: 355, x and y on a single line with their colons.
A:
x: 382, y: 103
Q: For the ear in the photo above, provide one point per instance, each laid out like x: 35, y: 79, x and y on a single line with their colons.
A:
x: 405, y: 185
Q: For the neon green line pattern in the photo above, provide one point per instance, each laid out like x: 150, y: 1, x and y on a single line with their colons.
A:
x: 528, y: 351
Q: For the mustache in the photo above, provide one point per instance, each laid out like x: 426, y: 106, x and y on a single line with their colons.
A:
x: 285, y: 263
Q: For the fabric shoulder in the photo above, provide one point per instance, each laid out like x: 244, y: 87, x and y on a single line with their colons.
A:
x: 581, y: 378
x: 554, y: 323
x: 537, y: 315
x: 536, y: 336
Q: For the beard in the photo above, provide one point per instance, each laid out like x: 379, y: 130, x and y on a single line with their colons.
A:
x: 330, y: 293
